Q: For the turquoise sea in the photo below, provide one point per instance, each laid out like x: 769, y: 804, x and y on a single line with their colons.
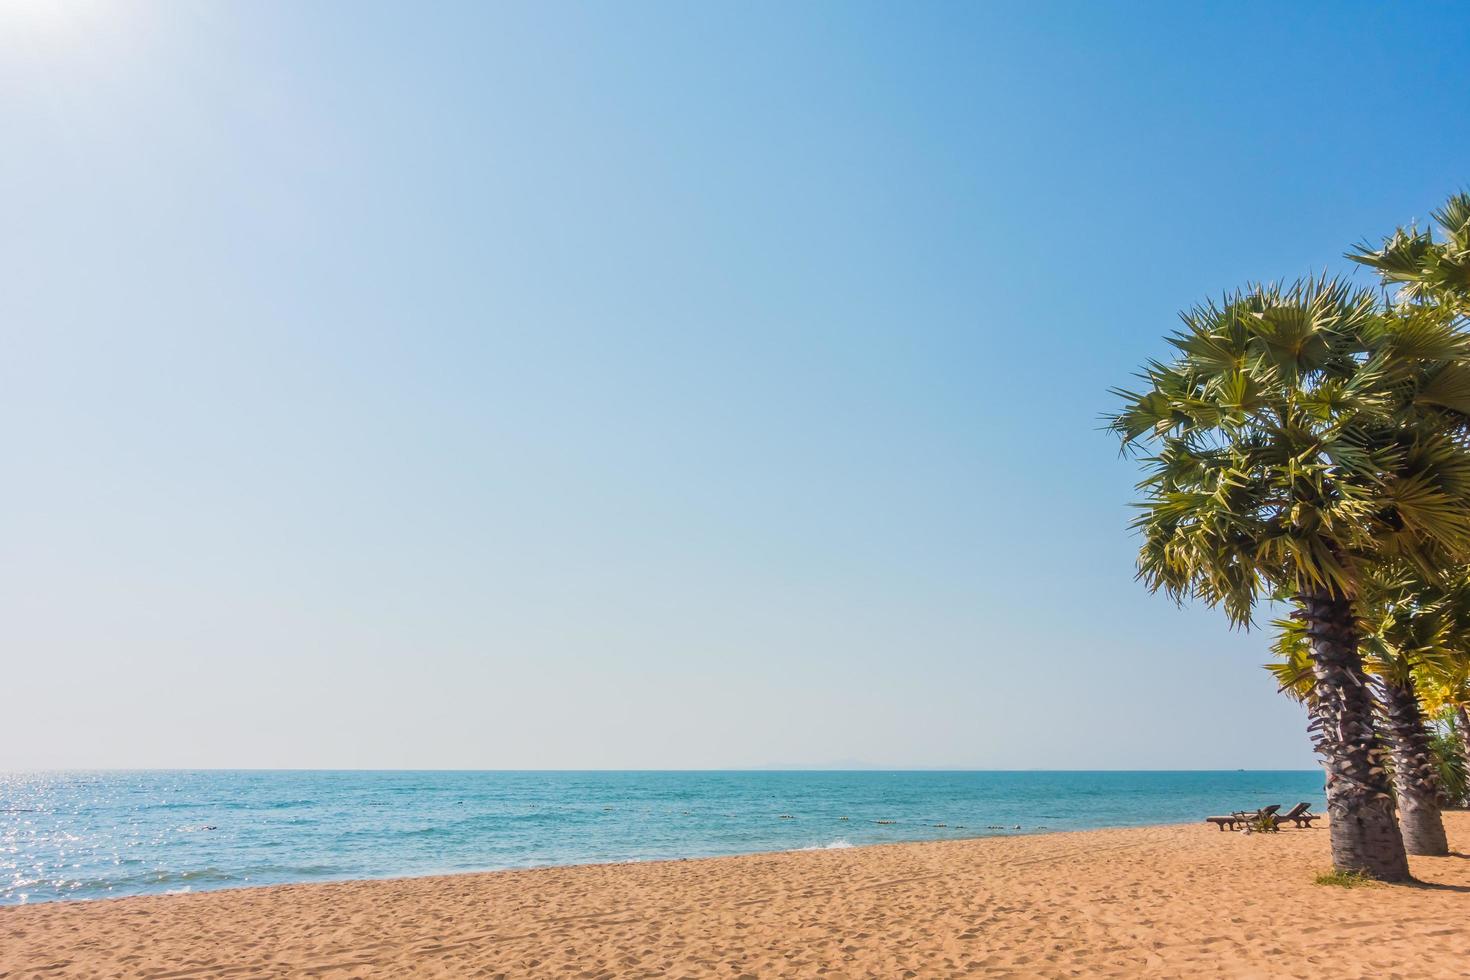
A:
x: 87, y: 835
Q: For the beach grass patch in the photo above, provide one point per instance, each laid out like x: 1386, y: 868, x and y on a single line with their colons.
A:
x: 1345, y: 879
x: 1262, y: 823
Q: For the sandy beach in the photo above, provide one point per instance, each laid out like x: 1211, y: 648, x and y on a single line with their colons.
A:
x: 1164, y: 901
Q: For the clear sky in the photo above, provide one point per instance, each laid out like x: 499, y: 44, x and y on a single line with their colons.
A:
x: 646, y: 385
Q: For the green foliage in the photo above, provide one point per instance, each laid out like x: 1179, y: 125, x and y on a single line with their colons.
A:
x: 1293, y: 666
x: 1449, y: 759
x: 1444, y: 680
x: 1427, y: 270
x: 1300, y: 434
x: 1346, y: 879
x: 1261, y: 823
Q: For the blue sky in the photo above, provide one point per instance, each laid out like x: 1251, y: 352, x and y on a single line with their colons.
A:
x: 646, y: 385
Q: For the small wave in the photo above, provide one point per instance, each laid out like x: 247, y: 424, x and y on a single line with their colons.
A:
x: 156, y: 877
x: 836, y: 845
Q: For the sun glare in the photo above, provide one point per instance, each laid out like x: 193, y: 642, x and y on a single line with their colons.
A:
x: 36, y: 21
x: 40, y: 12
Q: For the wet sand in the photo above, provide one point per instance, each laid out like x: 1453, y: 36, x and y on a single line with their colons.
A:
x: 1163, y: 901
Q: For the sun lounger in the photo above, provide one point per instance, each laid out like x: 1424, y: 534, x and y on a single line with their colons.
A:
x: 1299, y: 815
x: 1241, y: 817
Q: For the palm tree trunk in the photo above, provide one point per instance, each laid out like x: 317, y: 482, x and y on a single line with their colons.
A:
x: 1414, y: 774
x: 1365, y: 835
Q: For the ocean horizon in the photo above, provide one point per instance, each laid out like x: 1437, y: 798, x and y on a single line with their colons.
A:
x: 89, y: 834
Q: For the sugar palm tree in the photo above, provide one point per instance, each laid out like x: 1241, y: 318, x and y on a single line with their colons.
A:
x: 1428, y: 271
x: 1299, y: 435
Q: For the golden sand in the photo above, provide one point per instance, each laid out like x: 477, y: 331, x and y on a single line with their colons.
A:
x: 1163, y: 901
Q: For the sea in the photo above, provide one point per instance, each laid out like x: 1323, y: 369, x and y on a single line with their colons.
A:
x: 93, y: 835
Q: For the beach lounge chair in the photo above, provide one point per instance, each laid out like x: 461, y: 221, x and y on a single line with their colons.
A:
x: 1240, y: 817
x: 1299, y: 815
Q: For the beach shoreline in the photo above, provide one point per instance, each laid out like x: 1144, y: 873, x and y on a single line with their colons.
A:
x: 1181, y: 899
x: 106, y: 835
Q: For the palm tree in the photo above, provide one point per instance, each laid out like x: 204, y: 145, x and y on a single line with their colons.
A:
x: 1429, y: 273
x: 1299, y: 435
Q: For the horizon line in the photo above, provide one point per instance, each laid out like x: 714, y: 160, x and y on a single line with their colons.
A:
x: 745, y: 769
